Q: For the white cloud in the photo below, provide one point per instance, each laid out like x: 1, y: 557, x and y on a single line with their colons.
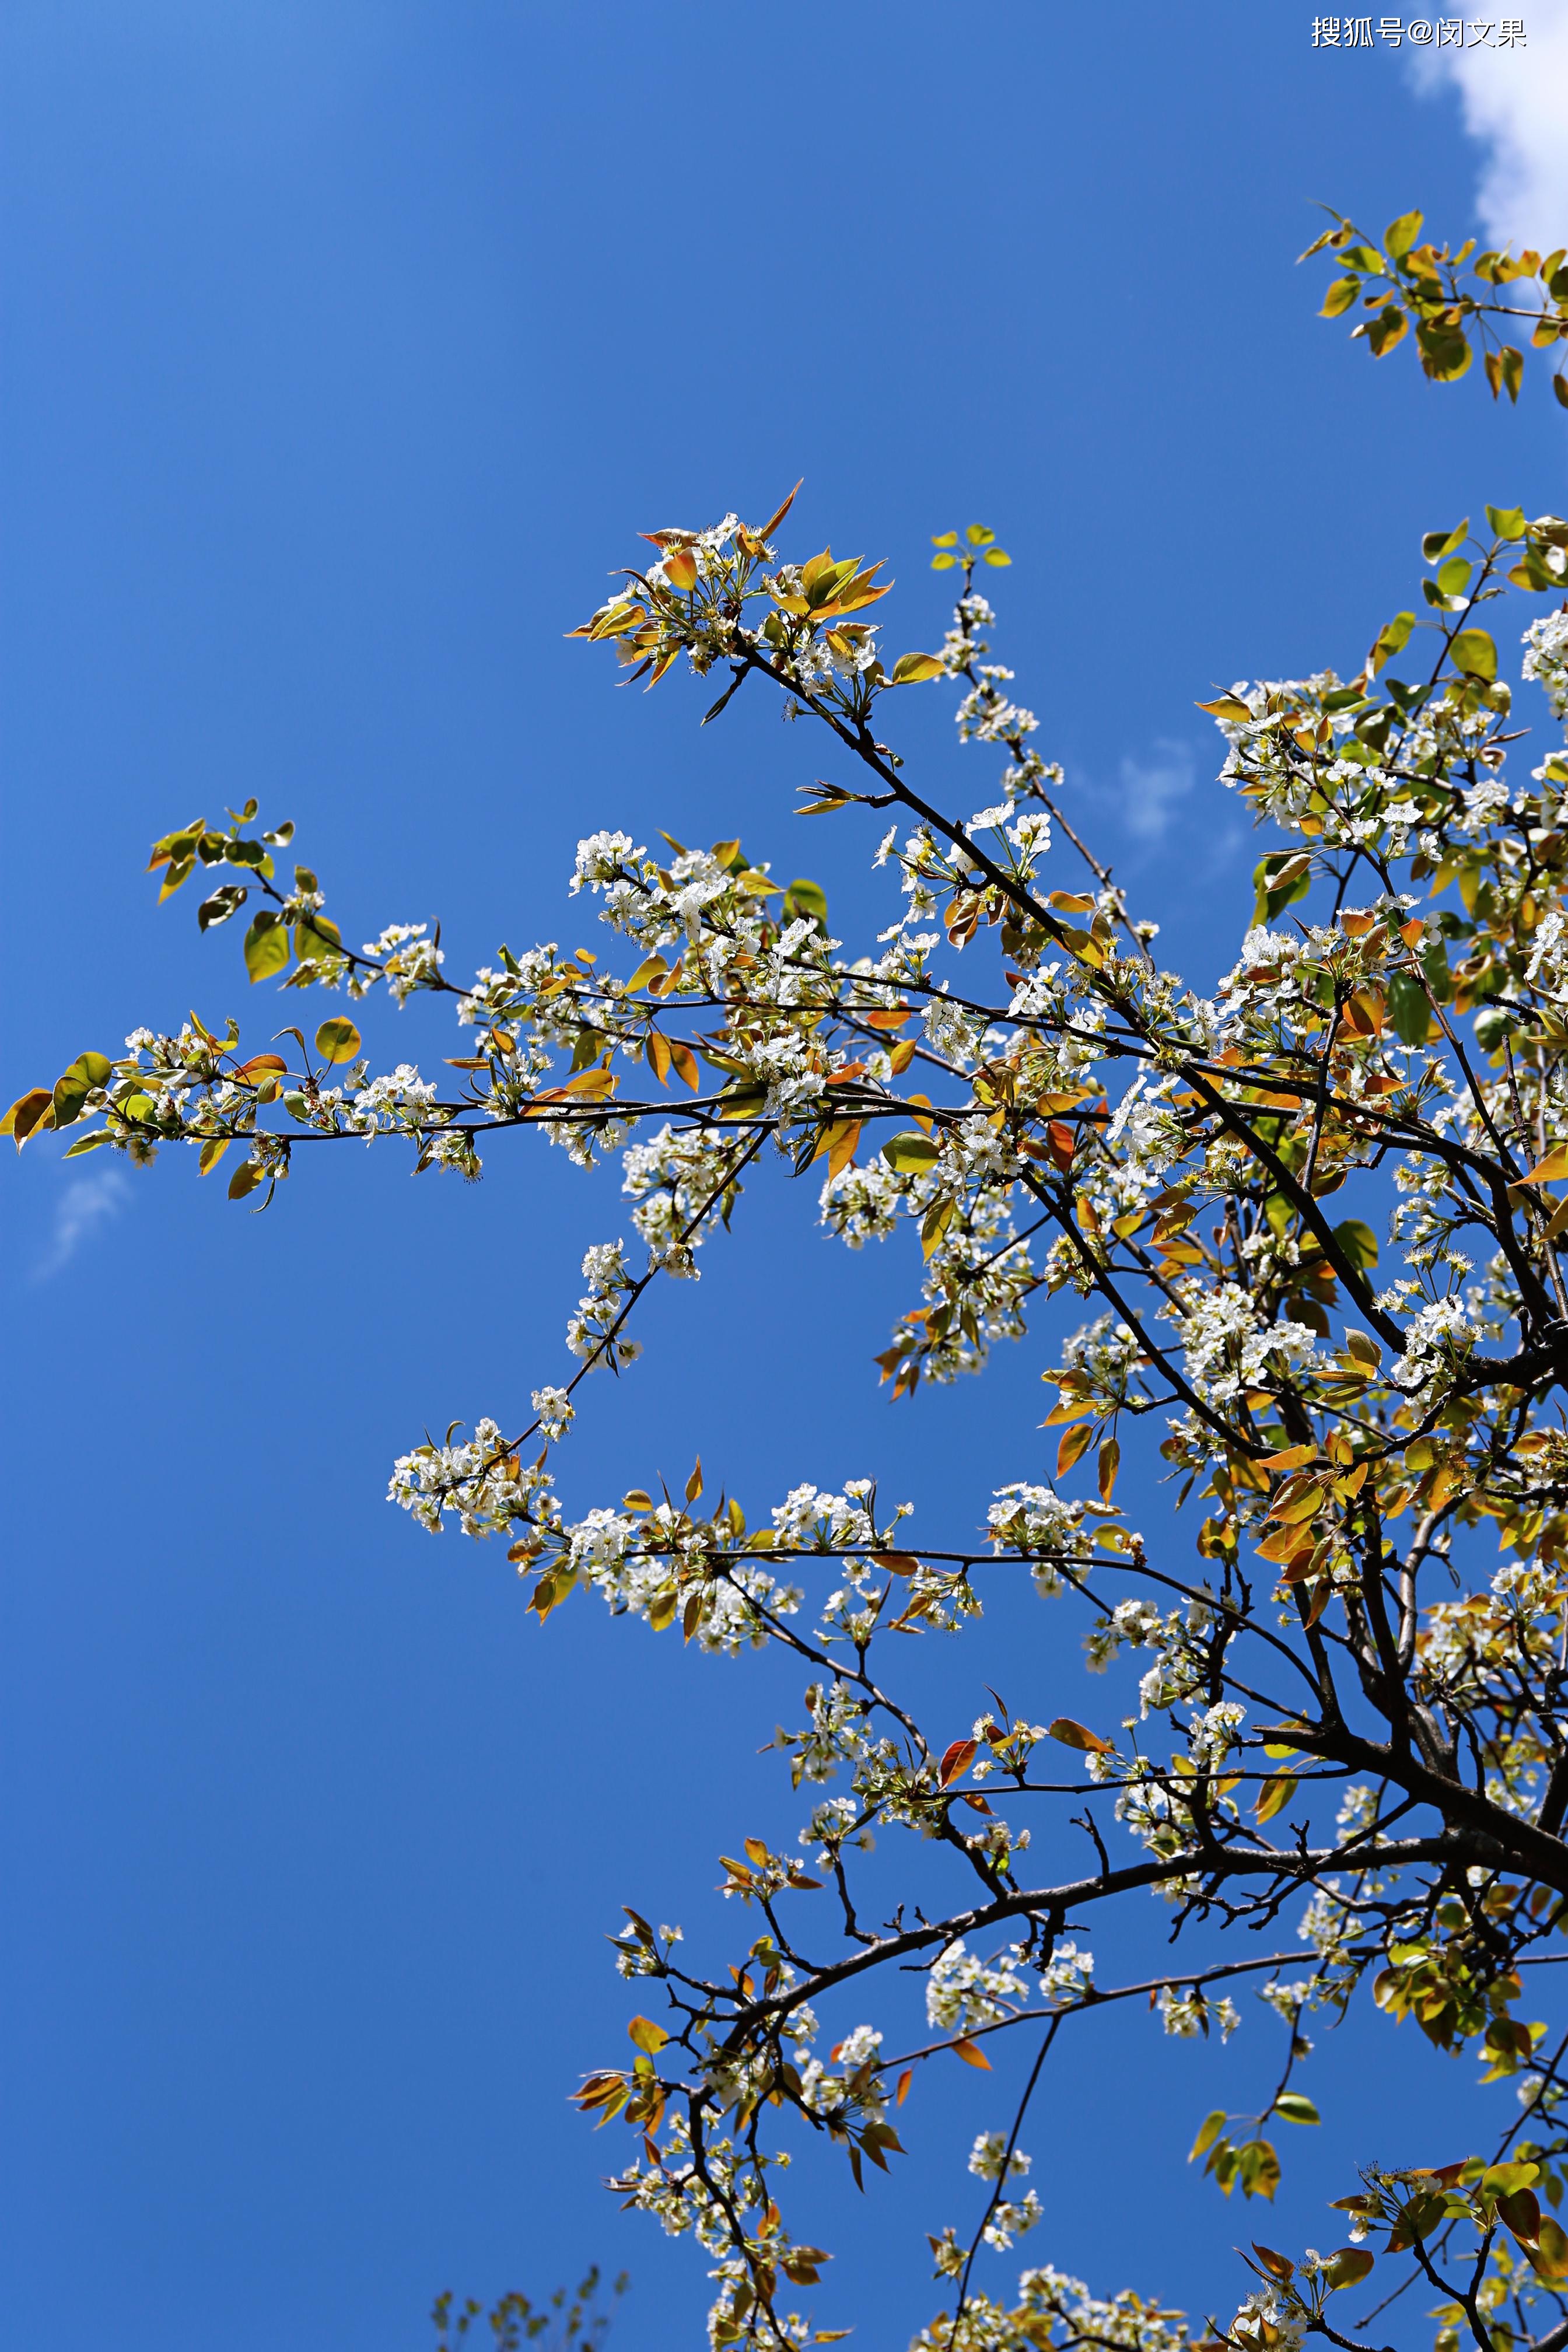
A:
x: 1515, y: 101
x: 1153, y: 789
x: 87, y: 1202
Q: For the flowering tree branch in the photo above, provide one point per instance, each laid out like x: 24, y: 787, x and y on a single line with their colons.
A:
x: 1336, y: 1716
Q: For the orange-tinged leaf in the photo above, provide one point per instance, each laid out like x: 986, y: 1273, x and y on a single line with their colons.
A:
x: 1063, y: 1143
x: 774, y: 519
x: 1074, y: 1441
x: 1110, y: 1462
x: 685, y: 1062
x: 844, y: 1138
x: 1073, y: 1735
x: 260, y: 1063
x: 647, y: 2035
x: 956, y: 1761
x: 29, y: 1114
x: 680, y: 567
x: 971, y: 2053
x: 902, y: 2093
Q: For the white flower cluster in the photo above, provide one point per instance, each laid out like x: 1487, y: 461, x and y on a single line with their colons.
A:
x: 1546, y: 660
x: 1030, y: 1518
x: 588, y: 1333
x: 1442, y: 1329
x: 680, y: 1180
x: 408, y: 959
x: 1229, y: 1348
x: 1188, y: 2013
x: 1068, y: 1975
x: 962, y: 1990
x: 481, y: 1483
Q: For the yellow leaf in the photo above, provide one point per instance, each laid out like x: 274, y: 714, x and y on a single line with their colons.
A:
x: 916, y: 669
x: 647, y: 2035
x: 1275, y: 1793
x: 1227, y: 706
x: 338, y: 1040
x: 1548, y: 1171
x: 971, y: 2054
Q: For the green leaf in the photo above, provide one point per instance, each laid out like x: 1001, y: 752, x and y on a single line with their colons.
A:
x: 74, y: 1085
x: 266, y: 946
x: 805, y: 898
x: 910, y: 1155
x: 978, y: 536
x: 1392, y: 638
x: 917, y: 670
x: 1295, y: 2108
x: 1340, y: 297
x: 1436, y: 544
x: 1474, y: 653
x: 1209, y: 2133
x: 946, y: 539
x: 1359, y: 1244
x: 1408, y: 1009
x: 998, y: 555
x: 338, y: 1039
x: 1348, y: 2267
x: 320, y: 941
x: 1559, y: 386
x: 87, y: 1142
x: 1509, y: 522
x: 1401, y: 235
x: 245, y: 1179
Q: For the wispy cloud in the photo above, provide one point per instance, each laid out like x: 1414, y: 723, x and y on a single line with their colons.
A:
x: 1515, y: 101
x: 1153, y: 789
x: 86, y: 1204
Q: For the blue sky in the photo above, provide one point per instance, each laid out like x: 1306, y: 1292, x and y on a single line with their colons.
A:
x: 348, y: 346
